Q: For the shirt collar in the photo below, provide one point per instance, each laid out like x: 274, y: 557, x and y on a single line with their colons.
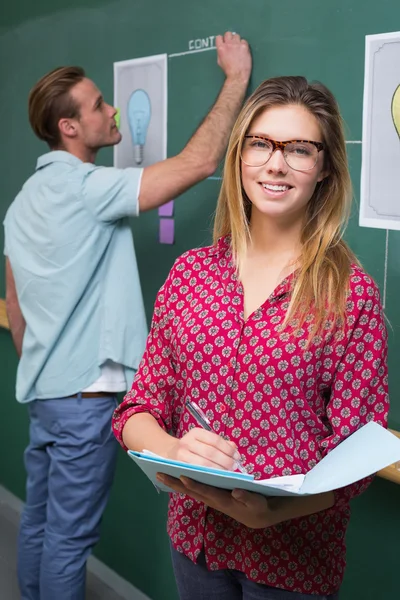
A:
x: 57, y: 156
x: 285, y: 287
x: 222, y: 249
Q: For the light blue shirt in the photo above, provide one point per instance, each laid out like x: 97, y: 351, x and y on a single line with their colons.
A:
x: 71, y: 250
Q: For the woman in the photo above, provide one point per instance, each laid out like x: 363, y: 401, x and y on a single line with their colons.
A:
x: 277, y: 333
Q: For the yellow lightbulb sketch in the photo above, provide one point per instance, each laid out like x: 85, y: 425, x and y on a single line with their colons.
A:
x: 118, y: 118
x: 396, y: 109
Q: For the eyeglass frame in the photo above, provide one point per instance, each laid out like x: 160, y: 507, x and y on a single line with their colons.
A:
x: 281, y: 146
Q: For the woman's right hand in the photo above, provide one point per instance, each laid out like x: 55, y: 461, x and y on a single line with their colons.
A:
x: 204, y: 448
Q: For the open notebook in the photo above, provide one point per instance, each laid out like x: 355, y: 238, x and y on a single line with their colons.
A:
x: 363, y: 453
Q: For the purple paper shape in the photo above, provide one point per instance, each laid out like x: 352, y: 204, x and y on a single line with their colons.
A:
x: 167, y: 231
x: 167, y: 210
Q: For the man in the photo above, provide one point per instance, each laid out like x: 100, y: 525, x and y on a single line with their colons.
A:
x: 75, y: 308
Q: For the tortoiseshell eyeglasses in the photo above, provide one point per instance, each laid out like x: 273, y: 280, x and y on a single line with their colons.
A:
x: 300, y: 155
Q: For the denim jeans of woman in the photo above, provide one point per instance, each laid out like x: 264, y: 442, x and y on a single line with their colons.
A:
x: 196, y: 582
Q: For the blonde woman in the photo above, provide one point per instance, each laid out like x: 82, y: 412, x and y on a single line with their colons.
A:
x: 277, y: 333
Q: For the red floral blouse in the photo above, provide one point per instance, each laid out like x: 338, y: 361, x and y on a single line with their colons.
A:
x: 285, y: 404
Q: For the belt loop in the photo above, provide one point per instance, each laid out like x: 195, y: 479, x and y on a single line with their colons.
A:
x: 79, y: 397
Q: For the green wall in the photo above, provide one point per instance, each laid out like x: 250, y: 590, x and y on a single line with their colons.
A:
x: 321, y: 40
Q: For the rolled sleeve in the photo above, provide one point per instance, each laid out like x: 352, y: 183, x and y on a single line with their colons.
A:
x: 111, y: 194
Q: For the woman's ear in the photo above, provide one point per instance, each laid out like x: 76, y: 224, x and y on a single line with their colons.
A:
x: 325, y: 172
x: 323, y: 175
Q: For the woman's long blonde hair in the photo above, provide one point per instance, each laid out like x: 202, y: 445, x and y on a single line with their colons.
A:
x: 321, y: 282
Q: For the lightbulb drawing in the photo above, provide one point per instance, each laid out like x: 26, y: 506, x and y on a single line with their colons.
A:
x: 139, y: 114
x: 396, y: 109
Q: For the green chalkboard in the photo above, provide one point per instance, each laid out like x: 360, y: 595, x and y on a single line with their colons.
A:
x: 321, y: 40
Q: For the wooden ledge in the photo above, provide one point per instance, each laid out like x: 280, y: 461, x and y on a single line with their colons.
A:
x: 3, y: 315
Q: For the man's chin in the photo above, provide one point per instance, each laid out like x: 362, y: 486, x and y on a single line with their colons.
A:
x: 117, y: 139
x: 114, y: 141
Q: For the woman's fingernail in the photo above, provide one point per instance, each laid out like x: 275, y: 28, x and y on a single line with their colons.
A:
x: 160, y: 477
x: 236, y: 456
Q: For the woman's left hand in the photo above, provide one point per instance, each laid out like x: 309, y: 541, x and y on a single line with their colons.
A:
x: 247, y: 508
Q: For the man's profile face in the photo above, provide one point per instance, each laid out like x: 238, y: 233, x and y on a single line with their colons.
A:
x: 96, y: 125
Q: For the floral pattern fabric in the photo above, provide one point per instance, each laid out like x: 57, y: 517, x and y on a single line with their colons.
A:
x: 285, y: 401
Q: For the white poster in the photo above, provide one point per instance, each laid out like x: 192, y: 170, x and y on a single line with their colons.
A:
x: 140, y: 94
x: 380, y: 171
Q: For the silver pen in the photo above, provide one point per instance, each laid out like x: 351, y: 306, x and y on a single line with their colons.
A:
x: 203, y: 421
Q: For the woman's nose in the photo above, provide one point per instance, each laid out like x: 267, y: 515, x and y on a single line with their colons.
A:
x: 277, y: 162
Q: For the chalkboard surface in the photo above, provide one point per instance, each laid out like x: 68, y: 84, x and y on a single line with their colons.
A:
x: 321, y: 40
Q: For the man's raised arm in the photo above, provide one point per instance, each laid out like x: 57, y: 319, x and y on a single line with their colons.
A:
x: 169, y: 178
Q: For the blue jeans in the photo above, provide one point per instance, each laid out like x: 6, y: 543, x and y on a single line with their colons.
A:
x: 70, y: 464
x: 196, y: 582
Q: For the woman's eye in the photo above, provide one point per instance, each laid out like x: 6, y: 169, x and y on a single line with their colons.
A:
x: 259, y: 145
x: 299, y: 150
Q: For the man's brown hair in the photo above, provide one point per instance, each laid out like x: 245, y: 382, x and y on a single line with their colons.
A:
x: 50, y: 100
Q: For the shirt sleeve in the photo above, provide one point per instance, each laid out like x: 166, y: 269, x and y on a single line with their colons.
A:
x: 111, y: 194
x: 5, y: 229
x: 360, y: 386
x: 153, y: 388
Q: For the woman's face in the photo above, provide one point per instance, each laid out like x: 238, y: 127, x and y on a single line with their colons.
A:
x: 275, y: 190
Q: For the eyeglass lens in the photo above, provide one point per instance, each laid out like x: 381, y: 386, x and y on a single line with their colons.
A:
x: 301, y: 156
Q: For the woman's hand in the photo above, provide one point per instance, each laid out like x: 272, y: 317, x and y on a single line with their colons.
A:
x: 204, y: 448
x: 245, y: 507
x: 250, y: 509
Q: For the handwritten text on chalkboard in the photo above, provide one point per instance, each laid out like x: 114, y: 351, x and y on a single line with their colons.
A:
x: 202, y: 43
